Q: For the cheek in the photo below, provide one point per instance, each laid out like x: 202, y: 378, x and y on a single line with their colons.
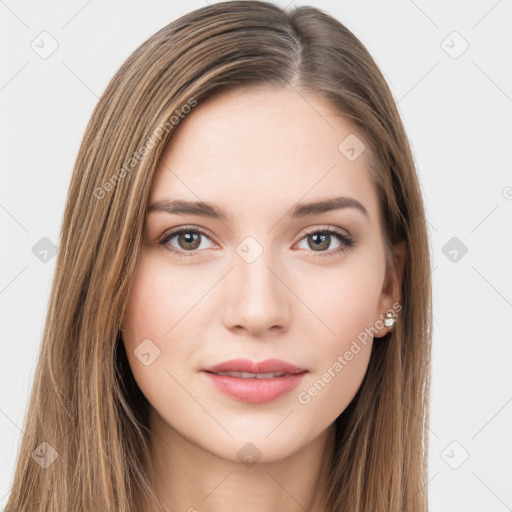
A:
x: 159, y: 313
x: 160, y: 300
x: 341, y: 304
x: 148, y: 317
x: 344, y: 311
x: 341, y: 357
x: 328, y: 392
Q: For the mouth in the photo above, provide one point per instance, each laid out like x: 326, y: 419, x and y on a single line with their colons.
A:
x: 248, y: 375
x: 250, y: 382
x: 262, y: 368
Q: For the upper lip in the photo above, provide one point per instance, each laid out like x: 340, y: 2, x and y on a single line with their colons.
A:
x: 244, y: 365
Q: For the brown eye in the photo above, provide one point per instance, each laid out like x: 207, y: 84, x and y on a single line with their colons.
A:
x: 320, y: 240
x: 188, y: 240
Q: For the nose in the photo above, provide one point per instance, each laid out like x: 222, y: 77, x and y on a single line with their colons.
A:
x: 257, y: 298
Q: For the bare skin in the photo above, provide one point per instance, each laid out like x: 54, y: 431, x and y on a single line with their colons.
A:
x: 255, y: 154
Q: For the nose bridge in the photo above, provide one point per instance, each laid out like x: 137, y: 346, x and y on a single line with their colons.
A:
x: 257, y: 299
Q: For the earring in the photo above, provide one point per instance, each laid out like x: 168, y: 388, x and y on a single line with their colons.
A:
x: 390, y: 319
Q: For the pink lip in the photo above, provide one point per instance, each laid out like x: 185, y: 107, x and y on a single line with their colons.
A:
x: 255, y: 390
x: 244, y: 365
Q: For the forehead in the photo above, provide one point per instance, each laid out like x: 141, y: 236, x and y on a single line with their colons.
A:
x: 256, y: 150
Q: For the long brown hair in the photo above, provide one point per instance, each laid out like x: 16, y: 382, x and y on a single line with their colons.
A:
x: 87, y: 419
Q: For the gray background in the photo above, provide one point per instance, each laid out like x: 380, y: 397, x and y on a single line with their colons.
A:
x: 456, y: 104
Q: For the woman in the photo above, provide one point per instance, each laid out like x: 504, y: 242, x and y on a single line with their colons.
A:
x: 241, y: 308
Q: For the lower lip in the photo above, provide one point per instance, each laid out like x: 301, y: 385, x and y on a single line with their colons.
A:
x: 256, y: 391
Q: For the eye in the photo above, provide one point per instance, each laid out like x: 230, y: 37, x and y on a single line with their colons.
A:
x: 188, y: 239
x: 320, y: 239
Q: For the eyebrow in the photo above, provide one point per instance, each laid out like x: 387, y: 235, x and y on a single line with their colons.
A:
x: 301, y: 210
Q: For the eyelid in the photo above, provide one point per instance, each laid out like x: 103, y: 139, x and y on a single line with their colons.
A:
x: 179, y: 229
x: 325, y: 227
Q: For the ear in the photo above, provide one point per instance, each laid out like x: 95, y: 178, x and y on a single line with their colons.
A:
x: 391, y: 289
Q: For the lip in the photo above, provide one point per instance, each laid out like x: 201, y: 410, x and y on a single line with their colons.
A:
x: 244, y: 365
x: 255, y: 391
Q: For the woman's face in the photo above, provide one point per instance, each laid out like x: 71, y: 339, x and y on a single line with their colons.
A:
x: 263, y: 279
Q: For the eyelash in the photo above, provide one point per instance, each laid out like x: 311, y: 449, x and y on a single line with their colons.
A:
x: 346, y: 240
